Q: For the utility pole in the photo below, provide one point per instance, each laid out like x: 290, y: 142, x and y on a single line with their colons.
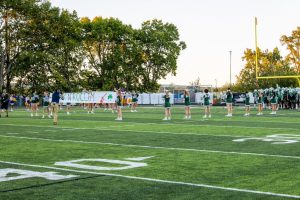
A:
x: 230, y: 52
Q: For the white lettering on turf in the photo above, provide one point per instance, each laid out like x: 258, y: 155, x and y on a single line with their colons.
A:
x: 275, y: 139
x: 127, y: 164
x: 162, y: 181
x: 23, y: 174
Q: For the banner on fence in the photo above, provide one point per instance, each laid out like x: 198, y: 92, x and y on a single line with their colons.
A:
x: 89, y: 97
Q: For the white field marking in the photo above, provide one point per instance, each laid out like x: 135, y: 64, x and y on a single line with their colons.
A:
x: 124, y: 130
x: 200, y: 125
x: 155, y: 147
x: 159, y: 180
x: 203, y: 125
x: 255, y: 121
x: 12, y: 133
x: 275, y: 139
x: 139, y: 159
x: 75, y: 164
x: 50, y: 131
x: 23, y: 174
x: 31, y: 132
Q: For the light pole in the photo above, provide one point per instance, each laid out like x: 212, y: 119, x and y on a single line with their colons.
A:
x: 216, y: 84
x: 230, y: 52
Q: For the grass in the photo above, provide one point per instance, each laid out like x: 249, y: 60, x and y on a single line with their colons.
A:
x: 189, y: 159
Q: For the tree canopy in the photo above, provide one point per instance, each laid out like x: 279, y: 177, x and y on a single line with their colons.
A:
x: 271, y: 63
x: 44, y: 47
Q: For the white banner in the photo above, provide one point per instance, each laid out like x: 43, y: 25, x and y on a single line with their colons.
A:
x: 89, y: 97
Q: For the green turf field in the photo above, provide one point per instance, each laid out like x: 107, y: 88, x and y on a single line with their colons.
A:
x: 143, y: 157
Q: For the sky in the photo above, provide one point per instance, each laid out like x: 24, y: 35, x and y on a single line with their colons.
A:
x: 210, y: 28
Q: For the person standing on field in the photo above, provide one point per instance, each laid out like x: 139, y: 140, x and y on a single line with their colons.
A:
x: 55, y: 106
x: 119, y: 104
x: 229, y: 98
x: 4, y: 103
x: 46, y: 106
x: 187, y: 105
x: 167, y: 106
x: 247, y: 104
x: 207, y: 104
x: 134, y: 101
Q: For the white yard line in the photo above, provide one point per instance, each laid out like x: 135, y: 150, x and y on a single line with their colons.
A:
x: 129, y: 130
x: 123, y: 130
x: 154, y: 147
x: 158, y: 180
x: 201, y: 120
x: 31, y: 132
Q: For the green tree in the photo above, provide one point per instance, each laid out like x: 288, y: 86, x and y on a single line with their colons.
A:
x: 161, y: 48
x: 13, y: 15
x: 270, y: 63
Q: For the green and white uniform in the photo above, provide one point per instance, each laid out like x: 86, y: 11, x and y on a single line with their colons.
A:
x: 187, y: 101
x: 46, y: 100
x: 206, y: 99
x: 119, y: 101
x: 135, y: 98
x: 229, y: 97
x: 167, y: 101
x: 247, y: 100
x: 273, y: 99
x: 260, y: 100
x: 35, y: 99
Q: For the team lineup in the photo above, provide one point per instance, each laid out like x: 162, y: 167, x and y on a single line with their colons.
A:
x: 272, y: 99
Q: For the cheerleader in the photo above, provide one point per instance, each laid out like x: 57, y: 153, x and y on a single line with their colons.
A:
x: 4, y: 103
x: 260, y: 103
x: 46, y: 105
x: 12, y: 101
x: 247, y: 105
x: 34, y: 104
x: 187, y: 105
x: 229, y: 97
x: 207, y: 104
x: 119, y: 105
x: 167, y: 106
x: 134, y: 101
x: 90, y: 108
x: 273, y: 101
x: 27, y: 103
x: 56, y: 96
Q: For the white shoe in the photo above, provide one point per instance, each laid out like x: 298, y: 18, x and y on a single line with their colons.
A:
x: 169, y: 118
x: 49, y: 116
x: 209, y: 116
x: 135, y: 110
x: 68, y: 113
x: 204, y: 116
x: 92, y: 112
x: 246, y: 114
x: 131, y: 111
x: 43, y: 117
x: 190, y: 117
x: 165, y: 118
x: 119, y: 119
x: 185, y: 117
x: 31, y: 115
x: 36, y: 114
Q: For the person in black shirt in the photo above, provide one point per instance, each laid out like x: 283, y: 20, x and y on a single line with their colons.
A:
x: 4, y: 103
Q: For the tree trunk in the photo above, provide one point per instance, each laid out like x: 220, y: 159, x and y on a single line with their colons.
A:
x: 1, y: 71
